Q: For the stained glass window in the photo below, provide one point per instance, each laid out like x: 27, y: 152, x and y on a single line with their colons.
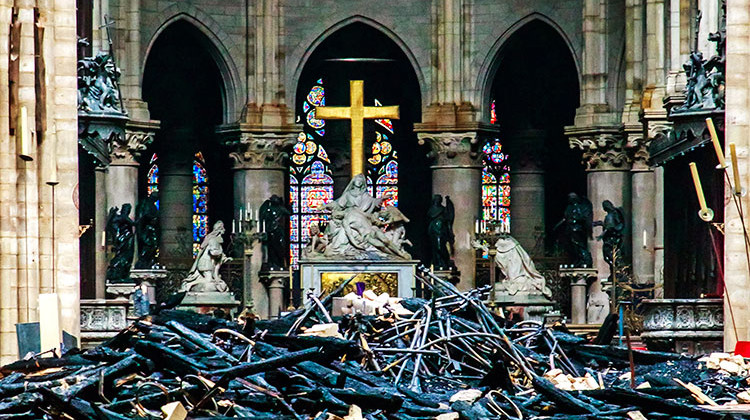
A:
x: 382, y: 173
x: 310, y: 181
x: 495, y: 184
x: 493, y: 113
x: 152, y: 178
x: 200, y: 195
x: 200, y: 202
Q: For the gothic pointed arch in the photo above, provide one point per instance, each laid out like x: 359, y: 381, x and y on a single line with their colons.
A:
x: 396, y: 166
x: 211, y: 41
x: 531, y: 92
x: 490, y: 63
x: 308, y: 51
x: 185, y: 89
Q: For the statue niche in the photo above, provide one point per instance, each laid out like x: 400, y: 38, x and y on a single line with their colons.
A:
x: 359, y: 229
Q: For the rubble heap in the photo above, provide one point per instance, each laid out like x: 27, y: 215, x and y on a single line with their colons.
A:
x: 451, y: 358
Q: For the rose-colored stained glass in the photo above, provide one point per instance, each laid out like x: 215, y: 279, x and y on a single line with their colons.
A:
x: 495, y: 182
x: 311, y: 184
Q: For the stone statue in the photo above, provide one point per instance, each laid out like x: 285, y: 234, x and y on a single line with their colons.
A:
x: 120, y: 231
x: 613, y: 226
x: 273, y: 218
x: 704, y: 89
x: 577, y: 225
x: 359, y: 230
x: 317, y: 245
x: 204, y: 274
x: 148, y: 232
x: 520, y: 274
x: 440, y: 231
x: 597, y: 306
x: 98, y: 85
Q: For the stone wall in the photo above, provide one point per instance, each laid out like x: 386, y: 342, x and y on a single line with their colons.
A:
x: 736, y: 275
x: 29, y: 264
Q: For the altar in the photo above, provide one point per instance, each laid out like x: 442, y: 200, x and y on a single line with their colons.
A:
x: 395, y: 277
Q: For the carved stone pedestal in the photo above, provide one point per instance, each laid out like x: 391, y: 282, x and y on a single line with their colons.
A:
x: 275, y: 282
x: 694, y: 326
x: 208, y: 302
x: 101, y: 319
x: 150, y: 277
x: 535, y: 305
x: 579, y: 279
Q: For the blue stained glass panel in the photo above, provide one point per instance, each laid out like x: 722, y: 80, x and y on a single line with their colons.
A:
x: 200, y: 227
x: 199, y: 173
x: 200, y: 199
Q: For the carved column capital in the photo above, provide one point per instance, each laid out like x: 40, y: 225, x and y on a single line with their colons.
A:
x: 636, y: 147
x: 126, y: 147
x: 252, y: 150
x: 461, y: 147
x: 603, y: 149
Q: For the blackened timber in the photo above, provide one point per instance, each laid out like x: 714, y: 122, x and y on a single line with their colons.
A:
x: 40, y: 78
x: 168, y: 358
x: 198, y: 340
x: 245, y: 369
x: 14, y: 69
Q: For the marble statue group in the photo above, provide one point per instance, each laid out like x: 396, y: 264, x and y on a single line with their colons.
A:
x: 360, y: 228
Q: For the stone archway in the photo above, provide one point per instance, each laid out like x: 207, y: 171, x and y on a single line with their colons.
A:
x: 184, y: 87
x: 360, y: 51
x: 535, y: 88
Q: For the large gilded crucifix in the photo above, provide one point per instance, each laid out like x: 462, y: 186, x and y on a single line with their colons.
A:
x: 357, y: 113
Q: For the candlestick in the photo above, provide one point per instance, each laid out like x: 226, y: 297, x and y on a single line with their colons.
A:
x: 249, y: 212
x: 234, y: 226
x: 715, y: 141
x: 104, y: 239
x: 645, y: 239
x: 705, y: 213
x: 735, y: 169
x: 23, y: 135
x: 476, y: 226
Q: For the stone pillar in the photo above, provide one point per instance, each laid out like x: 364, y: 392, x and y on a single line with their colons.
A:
x: 121, y: 181
x: 608, y: 178
x: 643, y: 218
x: 525, y: 151
x: 736, y: 275
x: 100, y: 217
x: 176, y: 207
x: 457, y: 173
x: 659, y: 233
x: 259, y: 172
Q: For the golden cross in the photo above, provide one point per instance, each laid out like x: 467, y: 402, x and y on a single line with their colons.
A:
x: 357, y: 113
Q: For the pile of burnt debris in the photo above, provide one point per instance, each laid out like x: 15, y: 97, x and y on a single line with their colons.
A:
x: 449, y: 357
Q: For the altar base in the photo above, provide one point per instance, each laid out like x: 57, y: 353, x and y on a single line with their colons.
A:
x: 405, y: 271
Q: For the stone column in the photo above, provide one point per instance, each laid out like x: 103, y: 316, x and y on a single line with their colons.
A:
x: 643, y: 221
x: 608, y: 178
x: 736, y: 278
x: 525, y: 151
x: 176, y: 204
x: 100, y: 217
x: 457, y: 172
x: 259, y: 172
x: 118, y: 183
